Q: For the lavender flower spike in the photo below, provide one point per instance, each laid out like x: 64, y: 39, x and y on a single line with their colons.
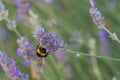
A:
x: 3, y: 11
x: 49, y: 41
x: 25, y: 50
x: 96, y: 15
x: 23, y: 8
x: 10, y: 68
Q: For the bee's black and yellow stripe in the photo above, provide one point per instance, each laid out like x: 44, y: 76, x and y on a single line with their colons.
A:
x: 41, y: 52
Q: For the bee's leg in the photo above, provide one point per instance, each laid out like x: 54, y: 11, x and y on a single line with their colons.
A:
x: 40, y: 61
x: 38, y: 46
x: 41, y: 66
x: 47, y: 52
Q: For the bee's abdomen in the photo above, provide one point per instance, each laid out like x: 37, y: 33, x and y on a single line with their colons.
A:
x: 39, y: 53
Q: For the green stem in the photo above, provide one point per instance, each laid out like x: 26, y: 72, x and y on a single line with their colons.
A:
x: 96, y: 68
x: 110, y: 33
x: 90, y: 55
x: 95, y: 65
x: 15, y: 30
x: 17, y: 33
x: 107, y: 30
x: 57, y: 69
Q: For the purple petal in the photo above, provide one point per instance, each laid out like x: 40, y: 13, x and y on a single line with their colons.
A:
x: 20, y: 17
x: 60, y: 55
x: 19, y: 52
x: 16, y: 2
x: 92, y: 3
x: 15, y: 73
x: 30, y: 46
x: 26, y: 63
x: 102, y: 35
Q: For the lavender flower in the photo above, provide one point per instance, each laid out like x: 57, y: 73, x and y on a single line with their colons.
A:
x: 102, y: 35
x: 96, y: 15
x: 103, y: 43
x: 34, y: 20
x: 10, y: 68
x: 60, y: 55
x: 98, y: 19
x: 23, y: 8
x: 49, y: 41
x: 3, y: 11
x: 3, y: 36
x: 11, y: 24
x: 25, y: 50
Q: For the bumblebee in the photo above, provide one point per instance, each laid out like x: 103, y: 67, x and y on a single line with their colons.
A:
x: 41, y: 52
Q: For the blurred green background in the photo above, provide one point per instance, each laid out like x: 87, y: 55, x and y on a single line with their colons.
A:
x: 70, y: 19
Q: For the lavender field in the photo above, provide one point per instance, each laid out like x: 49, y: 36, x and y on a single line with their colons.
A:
x: 59, y: 40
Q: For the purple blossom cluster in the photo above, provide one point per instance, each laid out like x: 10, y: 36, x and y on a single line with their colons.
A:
x: 23, y: 8
x: 49, y: 41
x: 25, y: 50
x: 10, y: 68
x: 96, y: 15
x: 98, y: 19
